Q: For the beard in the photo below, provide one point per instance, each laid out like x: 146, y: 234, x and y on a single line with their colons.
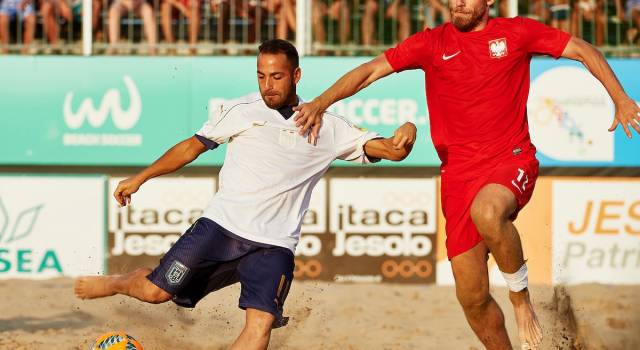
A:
x: 279, y: 100
x: 467, y: 21
x: 273, y: 101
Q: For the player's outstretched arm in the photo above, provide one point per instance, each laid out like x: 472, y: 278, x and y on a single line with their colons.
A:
x: 395, y: 148
x: 175, y: 158
x: 627, y: 111
x: 310, y: 114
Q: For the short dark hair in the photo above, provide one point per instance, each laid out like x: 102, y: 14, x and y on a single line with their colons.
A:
x: 276, y: 46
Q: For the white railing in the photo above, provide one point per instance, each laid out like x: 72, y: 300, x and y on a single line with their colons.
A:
x: 318, y: 27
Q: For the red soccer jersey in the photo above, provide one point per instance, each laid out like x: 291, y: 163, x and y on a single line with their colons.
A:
x: 477, y: 84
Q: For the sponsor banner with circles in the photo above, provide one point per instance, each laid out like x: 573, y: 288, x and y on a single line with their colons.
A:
x: 380, y: 230
x: 51, y: 226
x: 159, y: 213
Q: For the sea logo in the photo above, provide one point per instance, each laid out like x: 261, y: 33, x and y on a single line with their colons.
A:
x: 14, y: 258
x: 23, y: 225
x: 569, y: 114
x: 110, y: 104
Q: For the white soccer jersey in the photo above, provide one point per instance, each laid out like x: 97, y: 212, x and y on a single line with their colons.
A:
x: 270, y: 170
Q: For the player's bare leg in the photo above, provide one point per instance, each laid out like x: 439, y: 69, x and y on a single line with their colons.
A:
x: 368, y: 22
x: 490, y: 212
x: 134, y: 284
x: 29, y: 30
x: 256, y: 332
x: 472, y: 289
x: 115, y: 12
x: 4, y: 34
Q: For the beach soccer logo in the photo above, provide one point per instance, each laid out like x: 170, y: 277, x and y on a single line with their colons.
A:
x: 87, y: 117
x: 569, y: 114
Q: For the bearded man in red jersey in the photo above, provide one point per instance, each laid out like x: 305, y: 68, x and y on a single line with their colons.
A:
x: 477, y: 84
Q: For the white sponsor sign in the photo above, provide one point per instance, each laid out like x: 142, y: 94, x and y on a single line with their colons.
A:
x: 376, y: 217
x: 569, y: 114
x: 162, y: 209
x: 596, y: 232
x: 51, y: 226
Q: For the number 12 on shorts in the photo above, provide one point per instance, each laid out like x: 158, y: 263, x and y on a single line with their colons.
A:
x: 518, y: 181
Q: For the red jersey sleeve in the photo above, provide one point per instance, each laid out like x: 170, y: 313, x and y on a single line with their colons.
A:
x: 412, y: 53
x: 540, y: 39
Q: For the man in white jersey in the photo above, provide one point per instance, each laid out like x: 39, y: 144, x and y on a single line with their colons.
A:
x: 249, y: 231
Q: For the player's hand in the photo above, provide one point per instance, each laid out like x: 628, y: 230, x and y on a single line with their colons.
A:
x: 627, y: 115
x: 404, y: 136
x: 309, y: 117
x: 125, y: 189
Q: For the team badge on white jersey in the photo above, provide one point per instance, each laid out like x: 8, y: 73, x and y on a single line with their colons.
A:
x: 498, y: 48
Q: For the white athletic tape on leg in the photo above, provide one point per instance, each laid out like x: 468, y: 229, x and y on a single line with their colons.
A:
x: 518, y: 280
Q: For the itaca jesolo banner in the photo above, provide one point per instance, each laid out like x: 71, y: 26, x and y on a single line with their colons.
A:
x: 129, y: 110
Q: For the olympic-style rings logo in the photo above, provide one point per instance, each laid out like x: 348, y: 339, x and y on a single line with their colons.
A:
x: 406, y: 268
x: 310, y: 268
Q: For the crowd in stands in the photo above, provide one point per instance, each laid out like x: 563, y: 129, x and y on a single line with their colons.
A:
x: 343, y: 27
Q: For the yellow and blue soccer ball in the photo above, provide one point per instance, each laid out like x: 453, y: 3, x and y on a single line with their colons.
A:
x: 116, y: 341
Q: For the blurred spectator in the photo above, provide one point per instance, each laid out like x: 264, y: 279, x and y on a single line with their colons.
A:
x: 252, y: 12
x: 16, y: 9
x: 335, y: 10
x: 394, y: 9
x: 188, y: 8
x: 437, y: 12
x: 51, y: 10
x: 633, y: 14
x: 503, y: 8
x: 591, y: 11
x: 286, y: 17
x: 559, y: 14
x: 139, y: 8
x: 537, y: 10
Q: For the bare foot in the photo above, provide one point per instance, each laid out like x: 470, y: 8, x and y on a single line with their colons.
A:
x: 91, y: 287
x: 529, y: 330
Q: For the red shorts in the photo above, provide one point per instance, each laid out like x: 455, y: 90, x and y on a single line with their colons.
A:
x: 518, y: 175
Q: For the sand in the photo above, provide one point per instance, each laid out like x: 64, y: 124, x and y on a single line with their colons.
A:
x: 607, y: 317
x: 46, y: 315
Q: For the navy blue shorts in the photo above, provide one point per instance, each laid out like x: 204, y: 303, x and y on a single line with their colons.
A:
x: 208, y: 257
